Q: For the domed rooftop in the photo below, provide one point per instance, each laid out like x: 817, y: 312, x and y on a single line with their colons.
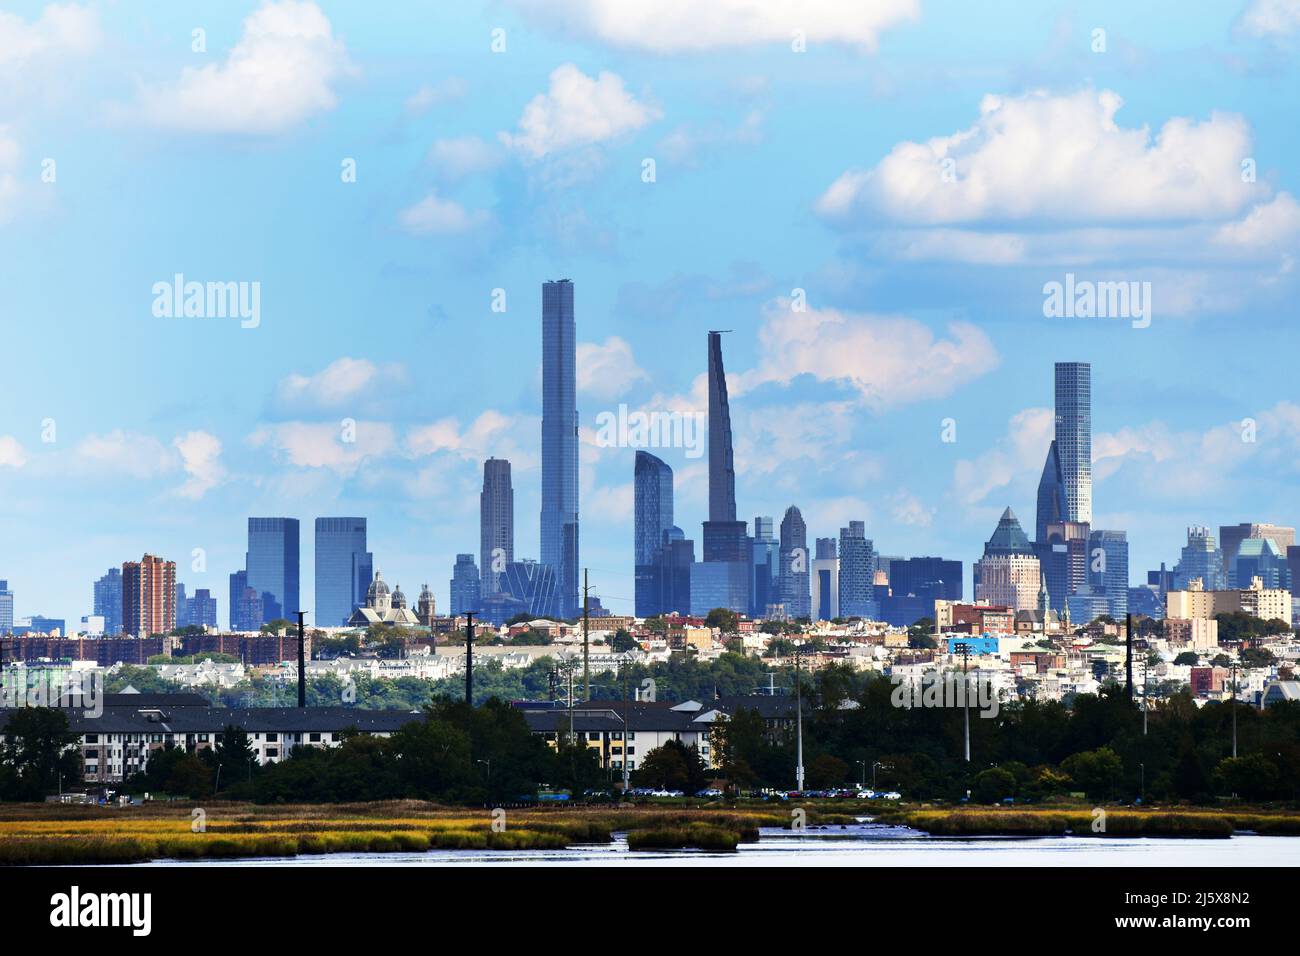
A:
x: 377, y: 588
x: 399, y: 599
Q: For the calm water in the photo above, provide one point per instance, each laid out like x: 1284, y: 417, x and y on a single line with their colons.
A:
x: 862, y: 845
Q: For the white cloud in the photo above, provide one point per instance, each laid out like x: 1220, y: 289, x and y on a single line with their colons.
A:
x: 325, y: 445
x: 888, y: 360
x: 1062, y: 159
x: 201, y: 458
x: 1266, y: 225
x: 677, y: 26
x: 63, y: 29
x: 607, y: 370
x: 578, y: 111
x: 128, y: 453
x: 281, y: 72
x: 471, y: 443
x: 8, y: 178
x: 907, y: 509
x: 12, y: 453
x: 463, y: 156
x: 344, y: 381
x: 1016, y: 457
x: 434, y: 216
x: 1270, y: 18
x: 611, y: 504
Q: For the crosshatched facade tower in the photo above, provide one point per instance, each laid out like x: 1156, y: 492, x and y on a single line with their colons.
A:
x: 559, y: 538
x: 1074, y: 437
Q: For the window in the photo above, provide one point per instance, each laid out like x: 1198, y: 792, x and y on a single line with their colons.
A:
x: 593, y: 735
x: 92, y: 738
x: 314, y: 738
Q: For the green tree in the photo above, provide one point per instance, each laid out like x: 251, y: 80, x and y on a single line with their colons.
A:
x: 1252, y: 777
x: 826, y: 771
x: 40, y: 754
x: 1095, y: 772
x: 623, y: 641
x: 993, y: 785
x: 722, y: 618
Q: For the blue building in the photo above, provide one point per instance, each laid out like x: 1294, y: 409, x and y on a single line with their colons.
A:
x: 108, y: 601
x: 344, y: 569
x: 726, y: 540
x: 652, y: 519
x: 1074, y: 437
x: 796, y: 593
x: 764, y: 586
x: 977, y: 646
x: 1201, y: 558
x: 272, y: 564
x: 7, y: 607
x: 466, y: 585
x: 559, y: 518
x: 1259, y: 558
x: 496, y: 524
x: 1108, y: 570
x: 857, y: 572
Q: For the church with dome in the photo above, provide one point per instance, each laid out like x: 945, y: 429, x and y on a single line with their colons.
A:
x: 384, y: 607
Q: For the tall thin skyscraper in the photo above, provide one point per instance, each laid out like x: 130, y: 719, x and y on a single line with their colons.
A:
x: 465, y: 585
x: 344, y: 569
x: 272, y: 565
x: 795, y: 594
x: 559, y: 519
x: 723, y: 578
x: 1074, y: 437
x: 148, y: 596
x: 496, y: 524
x: 652, y: 505
x: 108, y: 600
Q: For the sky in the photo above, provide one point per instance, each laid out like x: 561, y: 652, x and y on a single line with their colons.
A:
x: 873, y: 196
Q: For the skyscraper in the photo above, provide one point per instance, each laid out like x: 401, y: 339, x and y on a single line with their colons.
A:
x: 272, y: 565
x: 857, y: 566
x: 496, y: 524
x: 1074, y: 437
x: 652, y: 516
x: 1201, y: 558
x: 1064, y: 560
x: 148, y: 596
x: 795, y: 593
x: 764, y: 587
x: 1231, y: 537
x: 200, y: 610
x: 343, y: 569
x: 559, y: 519
x: 1051, y: 497
x: 108, y: 601
x: 238, y: 585
x: 1108, y: 570
x: 6, y: 608
x: 465, y: 585
x: 726, y: 540
x: 825, y: 582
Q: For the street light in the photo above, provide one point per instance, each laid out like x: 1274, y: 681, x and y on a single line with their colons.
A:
x: 488, y: 764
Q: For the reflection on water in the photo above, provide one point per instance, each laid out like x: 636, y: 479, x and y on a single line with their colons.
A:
x: 861, y: 845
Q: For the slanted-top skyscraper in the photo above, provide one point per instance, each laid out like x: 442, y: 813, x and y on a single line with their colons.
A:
x: 496, y: 517
x: 1074, y: 437
x: 559, y: 532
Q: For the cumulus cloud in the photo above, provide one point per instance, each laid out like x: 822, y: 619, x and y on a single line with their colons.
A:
x: 907, y: 509
x: 435, y: 216
x: 1270, y: 18
x: 609, y: 369
x: 281, y: 72
x: 63, y: 29
x: 685, y: 26
x: 430, y: 95
x: 1041, y: 157
x: 472, y: 443
x: 1017, y: 455
x: 201, y: 459
x: 12, y: 453
x: 127, y: 453
x: 1266, y: 225
x: 327, y: 445
x: 8, y: 173
x: 888, y: 360
x: 344, y: 382
x: 578, y: 110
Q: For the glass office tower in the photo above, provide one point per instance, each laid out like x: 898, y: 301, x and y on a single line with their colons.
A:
x: 559, y: 518
x: 272, y: 566
x: 344, y: 569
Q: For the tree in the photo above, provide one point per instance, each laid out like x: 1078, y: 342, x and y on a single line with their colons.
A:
x: 233, y: 756
x: 623, y: 642
x: 723, y: 619
x: 39, y: 754
x: 1187, y: 657
x: 826, y: 771
x: 1253, y: 777
x: 673, y: 766
x: 993, y: 785
x: 1095, y: 772
x: 279, y: 624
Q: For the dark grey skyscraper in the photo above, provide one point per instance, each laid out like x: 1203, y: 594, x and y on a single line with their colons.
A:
x: 7, y: 606
x: 559, y: 532
x: 1051, y: 496
x: 723, y: 578
x: 795, y: 592
x: 1074, y: 437
x: 272, y: 565
x: 652, y: 505
x: 343, y: 569
x: 496, y: 524
x: 108, y: 600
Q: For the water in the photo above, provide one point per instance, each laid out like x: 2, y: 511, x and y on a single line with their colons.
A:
x: 865, y: 844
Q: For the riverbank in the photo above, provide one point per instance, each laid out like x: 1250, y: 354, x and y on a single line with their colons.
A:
x: 50, y: 834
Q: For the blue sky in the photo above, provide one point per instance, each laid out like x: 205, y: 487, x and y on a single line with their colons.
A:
x: 1115, y: 156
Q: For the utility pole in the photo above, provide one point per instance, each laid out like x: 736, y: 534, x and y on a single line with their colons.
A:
x: 965, y: 696
x: 798, y: 717
x: 1145, y: 664
x: 1128, y: 656
x: 586, y: 672
x: 1234, y: 708
x: 626, y: 773
x: 302, y: 662
x: 469, y: 658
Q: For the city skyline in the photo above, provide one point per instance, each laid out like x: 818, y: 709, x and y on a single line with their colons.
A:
x: 871, y: 323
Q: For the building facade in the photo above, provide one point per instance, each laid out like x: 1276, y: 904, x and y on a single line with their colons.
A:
x: 496, y: 524
x: 272, y: 563
x: 148, y: 596
x: 559, y: 517
x: 344, y: 569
